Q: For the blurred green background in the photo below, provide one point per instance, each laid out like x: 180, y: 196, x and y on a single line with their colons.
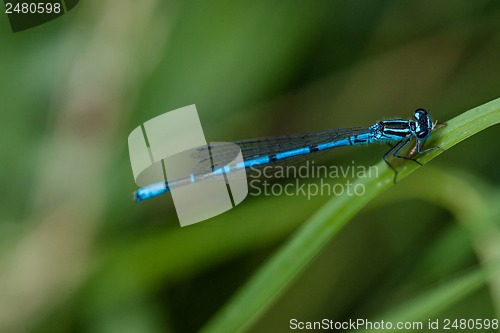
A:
x: 77, y: 255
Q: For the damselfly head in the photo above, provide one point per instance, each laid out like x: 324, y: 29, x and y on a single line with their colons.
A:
x: 423, y: 124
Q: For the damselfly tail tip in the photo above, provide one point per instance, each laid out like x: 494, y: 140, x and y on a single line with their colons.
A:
x: 136, y: 197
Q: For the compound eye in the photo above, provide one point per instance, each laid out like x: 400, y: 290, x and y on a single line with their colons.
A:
x: 422, y: 135
x: 421, y: 114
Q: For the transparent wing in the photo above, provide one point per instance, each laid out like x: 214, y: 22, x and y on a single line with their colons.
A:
x: 216, y: 155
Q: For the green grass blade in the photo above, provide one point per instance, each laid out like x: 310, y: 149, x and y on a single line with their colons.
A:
x: 475, y: 211
x: 284, y: 266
